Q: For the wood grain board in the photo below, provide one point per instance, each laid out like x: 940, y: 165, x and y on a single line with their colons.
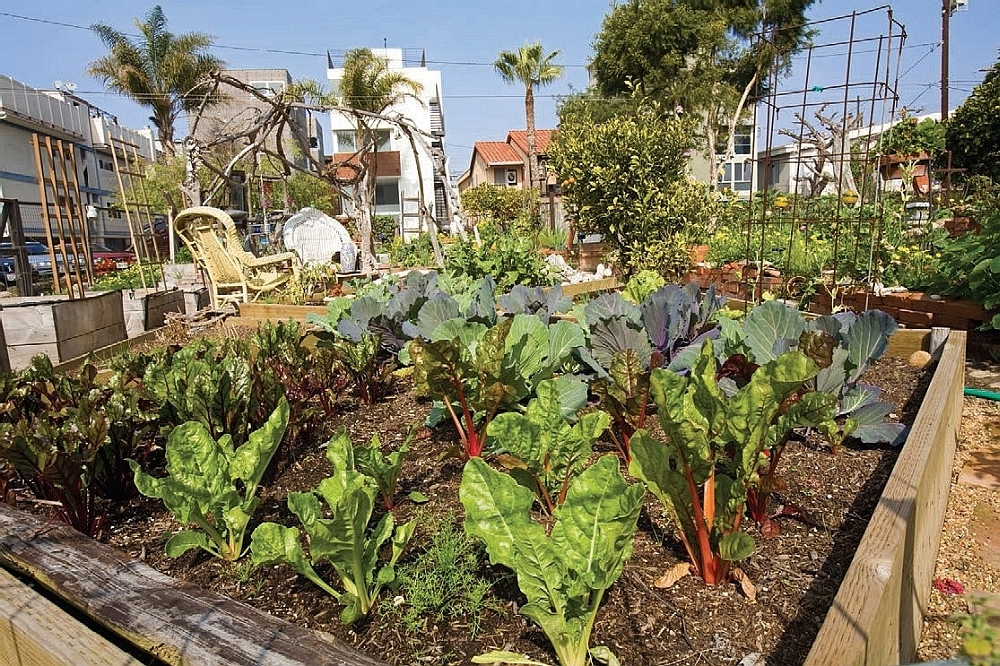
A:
x: 175, y: 621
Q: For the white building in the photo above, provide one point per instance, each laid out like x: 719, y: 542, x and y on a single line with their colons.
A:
x: 397, y: 184
x: 786, y: 168
x: 84, y: 129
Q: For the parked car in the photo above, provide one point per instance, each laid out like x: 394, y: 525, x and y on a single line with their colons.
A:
x: 38, y: 259
x: 106, y: 260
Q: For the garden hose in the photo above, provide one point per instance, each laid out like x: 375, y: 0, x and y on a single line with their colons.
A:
x: 981, y: 393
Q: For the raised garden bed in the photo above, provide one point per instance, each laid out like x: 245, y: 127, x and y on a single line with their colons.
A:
x: 61, y: 328
x: 901, y: 548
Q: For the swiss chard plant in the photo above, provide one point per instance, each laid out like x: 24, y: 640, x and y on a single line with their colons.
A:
x: 475, y: 371
x: 542, y: 448
x: 383, y: 469
x: 207, y: 383
x: 212, y: 484
x: 564, y: 573
x: 65, y: 437
x: 55, y: 455
x: 368, y: 368
x: 624, y: 395
x: 343, y: 540
x: 629, y: 340
x: 714, y: 446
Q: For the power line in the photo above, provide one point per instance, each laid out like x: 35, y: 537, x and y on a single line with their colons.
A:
x: 461, y: 63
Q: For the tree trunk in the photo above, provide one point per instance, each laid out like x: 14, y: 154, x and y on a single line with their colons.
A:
x: 364, y: 197
x: 529, y: 113
x: 713, y: 159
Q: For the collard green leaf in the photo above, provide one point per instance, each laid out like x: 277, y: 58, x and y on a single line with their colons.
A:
x: 867, y: 339
x: 611, y: 306
x: 771, y: 328
x: 610, y: 336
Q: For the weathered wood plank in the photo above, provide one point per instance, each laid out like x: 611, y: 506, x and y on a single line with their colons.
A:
x: 905, y: 341
x: 36, y: 632
x: 175, y: 621
x: 877, y: 614
x: 85, y: 324
x: 605, y: 284
x: 278, y: 311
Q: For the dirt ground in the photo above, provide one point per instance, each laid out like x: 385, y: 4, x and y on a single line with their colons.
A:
x: 795, y: 574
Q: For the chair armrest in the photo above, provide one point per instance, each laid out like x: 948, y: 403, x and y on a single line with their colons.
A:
x: 250, y: 261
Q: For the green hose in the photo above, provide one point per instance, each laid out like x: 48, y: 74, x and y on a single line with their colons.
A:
x: 981, y: 393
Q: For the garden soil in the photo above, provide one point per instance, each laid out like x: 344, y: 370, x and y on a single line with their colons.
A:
x: 795, y: 574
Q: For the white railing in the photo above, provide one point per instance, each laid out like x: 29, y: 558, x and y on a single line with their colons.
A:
x: 37, y: 106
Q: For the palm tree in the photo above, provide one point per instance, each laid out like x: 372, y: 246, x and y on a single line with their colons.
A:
x: 530, y: 66
x: 160, y: 70
x: 369, y: 86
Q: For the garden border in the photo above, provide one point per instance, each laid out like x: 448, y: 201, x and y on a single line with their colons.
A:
x: 878, y: 613
x: 876, y: 616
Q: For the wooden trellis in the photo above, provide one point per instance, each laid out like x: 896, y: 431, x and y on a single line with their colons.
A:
x: 63, y: 220
x: 134, y: 201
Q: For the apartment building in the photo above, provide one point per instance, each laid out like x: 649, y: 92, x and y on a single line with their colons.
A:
x: 398, y: 184
x: 86, y: 133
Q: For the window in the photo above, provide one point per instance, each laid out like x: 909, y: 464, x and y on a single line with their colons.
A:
x: 742, y: 141
x: 737, y: 176
x: 268, y: 88
x: 106, y: 165
x: 500, y: 177
x: 383, y: 139
x: 345, y: 141
x: 387, y: 193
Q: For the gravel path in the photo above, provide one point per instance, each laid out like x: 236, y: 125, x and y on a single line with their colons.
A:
x: 969, y: 553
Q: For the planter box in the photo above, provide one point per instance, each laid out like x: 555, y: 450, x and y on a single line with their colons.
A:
x: 146, y: 309
x: 875, y: 618
x: 912, y: 308
x: 591, y: 254
x: 61, y: 328
x: 878, y: 613
x: 196, y: 299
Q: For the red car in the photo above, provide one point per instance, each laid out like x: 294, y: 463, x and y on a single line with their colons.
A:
x: 106, y: 260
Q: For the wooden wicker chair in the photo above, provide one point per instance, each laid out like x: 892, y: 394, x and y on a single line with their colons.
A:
x: 236, y: 276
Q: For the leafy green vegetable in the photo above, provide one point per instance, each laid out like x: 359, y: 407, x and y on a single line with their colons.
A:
x: 476, y: 372
x: 544, y: 451
x: 563, y: 574
x: 343, y: 539
x: 384, y: 470
x: 714, y: 448
x: 212, y: 484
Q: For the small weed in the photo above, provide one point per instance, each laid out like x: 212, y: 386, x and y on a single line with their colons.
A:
x: 442, y: 582
x: 980, y: 640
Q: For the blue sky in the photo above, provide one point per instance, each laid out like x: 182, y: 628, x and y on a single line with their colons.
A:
x: 47, y: 40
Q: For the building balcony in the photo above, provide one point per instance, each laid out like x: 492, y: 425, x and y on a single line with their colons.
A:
x: 387, y: 163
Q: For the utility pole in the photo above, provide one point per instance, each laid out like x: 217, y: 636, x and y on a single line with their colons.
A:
x: 946, y: 10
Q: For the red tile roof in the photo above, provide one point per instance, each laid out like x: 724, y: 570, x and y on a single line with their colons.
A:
x: 497, y: 152
x: 520, y: 139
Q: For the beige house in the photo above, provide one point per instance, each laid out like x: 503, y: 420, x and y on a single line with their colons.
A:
x: 60, y: 117
x: 505, y: 164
